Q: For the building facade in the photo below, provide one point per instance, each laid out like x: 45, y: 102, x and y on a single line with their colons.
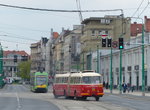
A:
x: 93, y: 30
x: 9, y: 65
x: 38, y: 55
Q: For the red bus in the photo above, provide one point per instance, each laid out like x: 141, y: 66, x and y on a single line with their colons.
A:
x: 78, y: 85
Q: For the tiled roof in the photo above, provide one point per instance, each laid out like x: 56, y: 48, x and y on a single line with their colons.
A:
x: 55, y: 35
x: 136, y: 29
x: 15, y: 52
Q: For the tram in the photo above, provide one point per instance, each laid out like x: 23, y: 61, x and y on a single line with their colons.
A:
x: 39, y: 82
x: 78, y: 85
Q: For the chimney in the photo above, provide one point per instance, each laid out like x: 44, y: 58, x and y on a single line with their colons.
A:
x: 62, y: 29
x: 51, y: 31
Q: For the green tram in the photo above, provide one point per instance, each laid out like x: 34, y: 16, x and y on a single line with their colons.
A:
x: 39, y: 82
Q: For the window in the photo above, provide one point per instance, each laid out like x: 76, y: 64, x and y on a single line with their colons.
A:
x: 100, y: 32
x: 102, y: 21
x: 40, y: 80
x: 106, y: 32
x: 91, y: 79
x: 93, y: 32
x: 107, y: 21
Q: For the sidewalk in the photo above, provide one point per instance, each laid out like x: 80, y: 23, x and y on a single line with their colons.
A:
x: 136, y: 93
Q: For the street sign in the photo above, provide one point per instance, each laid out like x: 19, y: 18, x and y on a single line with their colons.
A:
x: 114, y: 44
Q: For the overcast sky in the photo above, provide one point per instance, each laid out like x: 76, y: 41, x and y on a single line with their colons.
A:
x: 32, y: 25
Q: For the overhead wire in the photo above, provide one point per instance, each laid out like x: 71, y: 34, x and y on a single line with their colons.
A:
x: 10, y: 36
x: 22, y: 28
x: 21, y: 37
x: 15, y: 42
x: 52, y: 10
x: 79, y: 8
x: 138, y: 8
x: 144, y: 9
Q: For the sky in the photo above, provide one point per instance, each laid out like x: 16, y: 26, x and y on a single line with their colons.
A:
x: 19, y: 28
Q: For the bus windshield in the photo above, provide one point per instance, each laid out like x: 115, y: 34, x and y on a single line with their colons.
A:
x: 91, y: 79
x: 40, y: 80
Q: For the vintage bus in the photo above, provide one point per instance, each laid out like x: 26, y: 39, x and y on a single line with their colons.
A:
x: 78, y: 85
x: 39, y: 82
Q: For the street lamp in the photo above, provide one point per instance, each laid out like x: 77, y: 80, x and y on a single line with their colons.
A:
x: 1, y: 66
x: 97, y: 59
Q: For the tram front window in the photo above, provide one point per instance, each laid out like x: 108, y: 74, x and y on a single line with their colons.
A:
x: 91, y: 79
x: 41, y: 80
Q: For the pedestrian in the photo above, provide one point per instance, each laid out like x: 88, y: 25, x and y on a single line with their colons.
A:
x: 128, y: 87
x: 124, y: 85
x: 103, y: 83
x: 132, y: 88
x: 107, y: 85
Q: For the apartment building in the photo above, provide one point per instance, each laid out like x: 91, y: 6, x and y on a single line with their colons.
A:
x: 93, y: 30
x: 9, y: 65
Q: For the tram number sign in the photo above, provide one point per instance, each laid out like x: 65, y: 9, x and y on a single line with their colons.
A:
x: 115, y: 44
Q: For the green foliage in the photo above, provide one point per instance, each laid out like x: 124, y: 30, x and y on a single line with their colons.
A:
x: 24, y: 70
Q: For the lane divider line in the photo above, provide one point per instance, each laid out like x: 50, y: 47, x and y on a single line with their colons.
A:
x: 18, y: 101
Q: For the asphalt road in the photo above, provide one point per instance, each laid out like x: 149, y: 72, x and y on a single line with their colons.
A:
x: 18, y: 97
x: 129, y: 101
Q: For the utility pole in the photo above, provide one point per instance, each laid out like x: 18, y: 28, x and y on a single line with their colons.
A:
x: 143, y: 73
x: 121, y: 47
x: 97, y: 59
x: 120, y: 71
x: 90, y: 59
x: 1, y: 67
x: 83, y: 61
x: 111, y: 71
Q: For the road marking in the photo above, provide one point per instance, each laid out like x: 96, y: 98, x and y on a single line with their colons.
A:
x: 18, y: 101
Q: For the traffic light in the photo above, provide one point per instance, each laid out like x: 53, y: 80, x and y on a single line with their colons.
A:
x: 103, y: 42
x: 121, y: 46
x: 15, y: 58
x: 109, y: 40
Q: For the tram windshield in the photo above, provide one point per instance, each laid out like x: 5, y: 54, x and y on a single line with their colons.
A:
x: 40, y: 80
x: 91, y: 79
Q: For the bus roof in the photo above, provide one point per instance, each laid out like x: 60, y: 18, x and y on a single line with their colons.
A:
x: 85, y: 74
x: 62, y: 75
x: 78, y: 74
x: 91, y: 74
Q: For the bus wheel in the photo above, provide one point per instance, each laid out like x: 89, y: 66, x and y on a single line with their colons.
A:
x: 71, y: 97
x: 66, y: 97
x: 75, y: 96
x: 84, y: 97
x: 97, y: 98
x: 56, y: 96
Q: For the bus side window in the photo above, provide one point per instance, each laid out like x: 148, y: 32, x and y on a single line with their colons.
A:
x: 67, y: 80
x: 75, y: 80
x: 56, y: 80
x: 62, y: 80
x: 79, y: 80
x: 71, y: 80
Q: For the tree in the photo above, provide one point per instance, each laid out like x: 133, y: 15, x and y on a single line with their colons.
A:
x: 24, y: 70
